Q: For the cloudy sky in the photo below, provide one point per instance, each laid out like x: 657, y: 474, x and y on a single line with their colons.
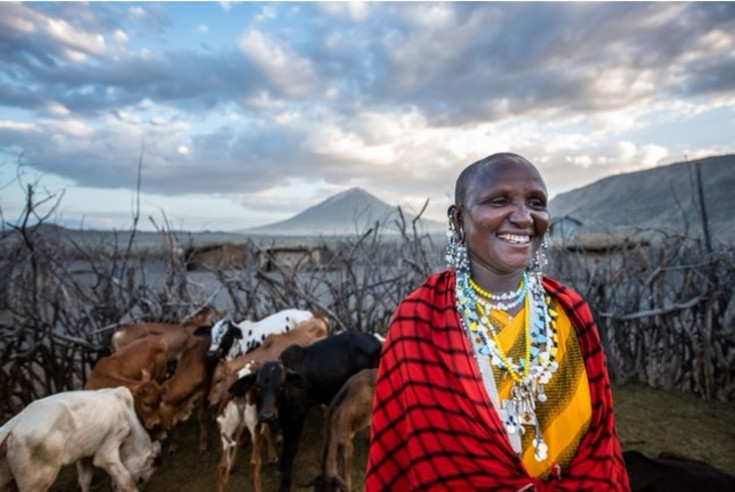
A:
x: 242, y: 114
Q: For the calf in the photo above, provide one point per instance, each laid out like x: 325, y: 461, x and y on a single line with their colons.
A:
x: 349, y: 413
x: 177, y: 336
x: 236, y: 414
x: 230, y: 340
x: 134, y: 367
x: 673, y: 473
x: 87, y: 427
x: 303, y: 377
x: 181, y: 391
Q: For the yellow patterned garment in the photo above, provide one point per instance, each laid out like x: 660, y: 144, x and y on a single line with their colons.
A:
x: 565, y: 415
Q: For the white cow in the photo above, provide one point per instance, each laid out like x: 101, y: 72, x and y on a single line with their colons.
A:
x: 89, y: 427
x: 230, y: 340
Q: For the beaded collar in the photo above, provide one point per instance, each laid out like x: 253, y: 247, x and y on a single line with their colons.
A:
x: 535, y: 368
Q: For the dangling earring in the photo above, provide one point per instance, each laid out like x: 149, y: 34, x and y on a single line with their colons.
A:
x: 540, y: 261
x: 456, y: 250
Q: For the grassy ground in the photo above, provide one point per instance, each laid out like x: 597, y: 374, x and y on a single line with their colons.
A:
x: 648, y: 420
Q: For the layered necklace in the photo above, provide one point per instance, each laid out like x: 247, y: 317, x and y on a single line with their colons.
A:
x: 532, y: 371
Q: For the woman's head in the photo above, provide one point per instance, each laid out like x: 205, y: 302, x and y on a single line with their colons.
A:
x: 500, y: 213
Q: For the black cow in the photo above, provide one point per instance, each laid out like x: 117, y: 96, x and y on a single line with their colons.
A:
x: 303, y: 377
x: 673, y: 473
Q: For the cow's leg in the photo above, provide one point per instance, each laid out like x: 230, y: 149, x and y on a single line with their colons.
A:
x: 267, y: 432
x: 37, y: 479
x: 107, y: 457
x: 6, y: 476
x: 85, y: 471
x: 348, y: 452
x: 291, y: 435
x: 231, y: 424
x: 256, y: 464
x: 202, y: 417
x: 29, y: 472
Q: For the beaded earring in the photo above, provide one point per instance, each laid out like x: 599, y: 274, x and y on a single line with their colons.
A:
x: 540, y: 261
x: 456, y: 256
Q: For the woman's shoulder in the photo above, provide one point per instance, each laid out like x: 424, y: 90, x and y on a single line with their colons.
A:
x: 562, y: 293
x: 436, y: 284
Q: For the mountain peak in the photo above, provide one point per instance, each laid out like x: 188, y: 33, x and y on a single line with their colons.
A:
x: 347, y: 212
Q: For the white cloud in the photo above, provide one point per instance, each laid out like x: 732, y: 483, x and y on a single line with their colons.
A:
x: 291, y: 73
x: 57, y: 109
x: 136, y: 11
x: 203, y: 28
x: 120, y: 36
x: 625, y: 151
x: 19, y: 18
x: 268, y: 12
x: 17, y: 126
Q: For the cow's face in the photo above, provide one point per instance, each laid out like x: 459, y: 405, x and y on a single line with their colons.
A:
x: 141, y: 460
x: 147, y: 398
x: 224, y: 334
x: 269, y: 385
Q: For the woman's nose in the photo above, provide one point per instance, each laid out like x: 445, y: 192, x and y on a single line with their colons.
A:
x: 521, y: 216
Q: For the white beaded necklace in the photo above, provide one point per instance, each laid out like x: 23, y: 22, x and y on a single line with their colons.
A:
x: 529, y: 376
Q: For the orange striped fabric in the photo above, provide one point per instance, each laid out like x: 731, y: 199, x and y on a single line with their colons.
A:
x: 565, y: 416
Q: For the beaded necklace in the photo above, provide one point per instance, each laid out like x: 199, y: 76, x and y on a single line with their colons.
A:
x: 535, y: 369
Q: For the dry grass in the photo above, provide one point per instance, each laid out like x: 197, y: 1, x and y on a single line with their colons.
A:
x: 652, y: 421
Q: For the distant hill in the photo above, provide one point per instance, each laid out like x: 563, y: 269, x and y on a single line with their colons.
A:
x: 349, y: 212
x: 661, y: 198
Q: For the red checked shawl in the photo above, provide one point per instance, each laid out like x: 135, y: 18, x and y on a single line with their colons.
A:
x: 431, y: 428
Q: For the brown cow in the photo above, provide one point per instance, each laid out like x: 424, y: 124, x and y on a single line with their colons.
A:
x: 235, y: 414
x: 134, y: 367
x: 178, y: 336
x: 349, y: 412
x: 181, y: 391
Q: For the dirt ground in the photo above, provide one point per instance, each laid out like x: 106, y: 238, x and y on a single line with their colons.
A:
x: 648, y: 420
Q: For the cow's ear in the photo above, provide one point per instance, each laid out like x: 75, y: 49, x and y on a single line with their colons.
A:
x: 145, y: 376
x: 296, y: 380
x: 203, y: 331
x: 242, y: 385
x: 236, y: 331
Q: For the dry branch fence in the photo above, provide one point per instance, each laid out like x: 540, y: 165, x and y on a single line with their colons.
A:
x: 665, y: 309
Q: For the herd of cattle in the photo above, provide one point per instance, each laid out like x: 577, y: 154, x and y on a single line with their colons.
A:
x: 262, y: 376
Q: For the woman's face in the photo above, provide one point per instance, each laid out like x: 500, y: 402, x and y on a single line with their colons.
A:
x: 504, y: 217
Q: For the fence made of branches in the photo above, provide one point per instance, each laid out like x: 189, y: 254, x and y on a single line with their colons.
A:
x: 664, y: 308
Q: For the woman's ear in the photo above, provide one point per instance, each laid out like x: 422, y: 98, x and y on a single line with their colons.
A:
x: 455, y: 222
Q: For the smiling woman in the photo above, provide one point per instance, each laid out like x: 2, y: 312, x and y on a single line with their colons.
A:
x: 492, y: 374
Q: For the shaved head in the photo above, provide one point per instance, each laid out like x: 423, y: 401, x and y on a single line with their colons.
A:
x: 470, y: 175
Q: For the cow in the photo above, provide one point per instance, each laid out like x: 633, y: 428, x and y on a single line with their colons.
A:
x: 303, y: 333
x: 349, y: 412
x: 236, y: 414
x: 230, y: 340
x: 180, y: 392
x: 177, y: 336
x: 674, y: 473
x: 136, y: 367
x: 97, y: 428
x: 304, y: 377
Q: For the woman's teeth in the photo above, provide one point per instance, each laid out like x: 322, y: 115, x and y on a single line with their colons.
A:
x: 512, y: 238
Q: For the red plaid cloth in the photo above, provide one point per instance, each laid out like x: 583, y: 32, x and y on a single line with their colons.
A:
x: 432, y: 426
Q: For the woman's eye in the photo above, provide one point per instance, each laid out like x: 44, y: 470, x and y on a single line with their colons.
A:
x: 537, y: 204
